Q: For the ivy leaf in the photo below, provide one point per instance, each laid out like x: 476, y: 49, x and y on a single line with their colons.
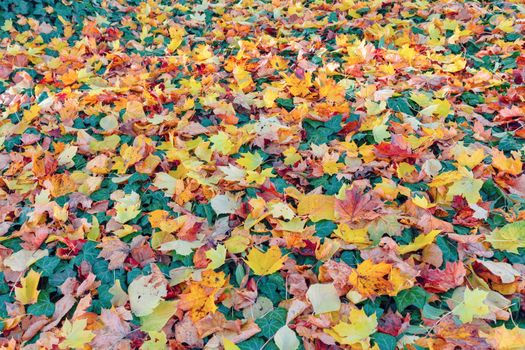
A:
x: 43, y: 307
x: 271, y: 322
x: 415, y: 296
x: 251, y: 344
x: 385, y: 341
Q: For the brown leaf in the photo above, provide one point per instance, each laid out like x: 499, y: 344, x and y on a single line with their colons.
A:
x: 114, y: 250
x: 357, y: 206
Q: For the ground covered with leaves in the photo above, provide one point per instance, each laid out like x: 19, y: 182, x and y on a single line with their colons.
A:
x: 261, y: 174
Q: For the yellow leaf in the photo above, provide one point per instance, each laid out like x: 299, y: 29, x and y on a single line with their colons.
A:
x: 371, y: 279
x: 217, y: 257
x: 28, y: 293
x: 76, y: 335
x: 510, y: 237
x: 229, y: 345
x: 359, y: 236
x: 155, y: 321
x: 265, y: 263
x: 422, y: 202
x: 221, y: 143
x: 472, y: 306
x: 22, y: 259
x: 134, y: 110
x: 109, y: 122
x: 374, y: 108
x: 202, y: 52
x: 506, y: 339
x: 157, y: 341
x: 324, y: 298
x: 332, y: 167
x: 358, y: 330
x: 404, y: 169
x: 31, y: 113
x: 445, y: 178
x: 467, y: 187
x: 127, y: 207
x: 69, y: 77
x: 176, y: 35
x: 407, y: 52
x: 242, y: 77
x: 459, y: 63
x: 259, y: 178
x: 468, y: 156
x: 421, y: 99
x: 107, y: 144
x: 443, y: 107
x: 380, y: 133
x: 94, y: 231
x: 317, y: 206
x: 250, y: 161
x: 237, y: 244
x: 281, y: 210
x: 270, y: 94
x: 507, y: 25
x: 510, y: 166
x: 291, y: 155
x: 420, y: 242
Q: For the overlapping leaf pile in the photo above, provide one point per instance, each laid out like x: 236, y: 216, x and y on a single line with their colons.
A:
x: 262, y: 174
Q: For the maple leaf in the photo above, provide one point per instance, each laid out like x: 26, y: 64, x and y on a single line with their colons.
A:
x: 438, y: 281
x: 238, y: 137
x: 114, y: 250
x: 265, y: 263
x: 512, y: 166
x: 115, y: 329
x: 504, y: 338
x: 229, y: 345
x: 472, y: 306
x: 372, y: 279
x: 356, y: 206
x: 358, y: 330
x: 199, y: 298
x: 75, y: 334
x: 509, y: 237
x: 467, y: 187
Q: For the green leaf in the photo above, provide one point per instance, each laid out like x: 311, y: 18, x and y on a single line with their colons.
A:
x: 415, y: 296
x: 385, y: 341
x: 400, y: 104
x: 271, y: 322
x: 271, y: 287
x: 47, y: 265
x: 43, y: 306
x: 432, y: 313
x: 251, y: 344
x: 324, y: 228
x: 449, y: 251
x: 88, y: 253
